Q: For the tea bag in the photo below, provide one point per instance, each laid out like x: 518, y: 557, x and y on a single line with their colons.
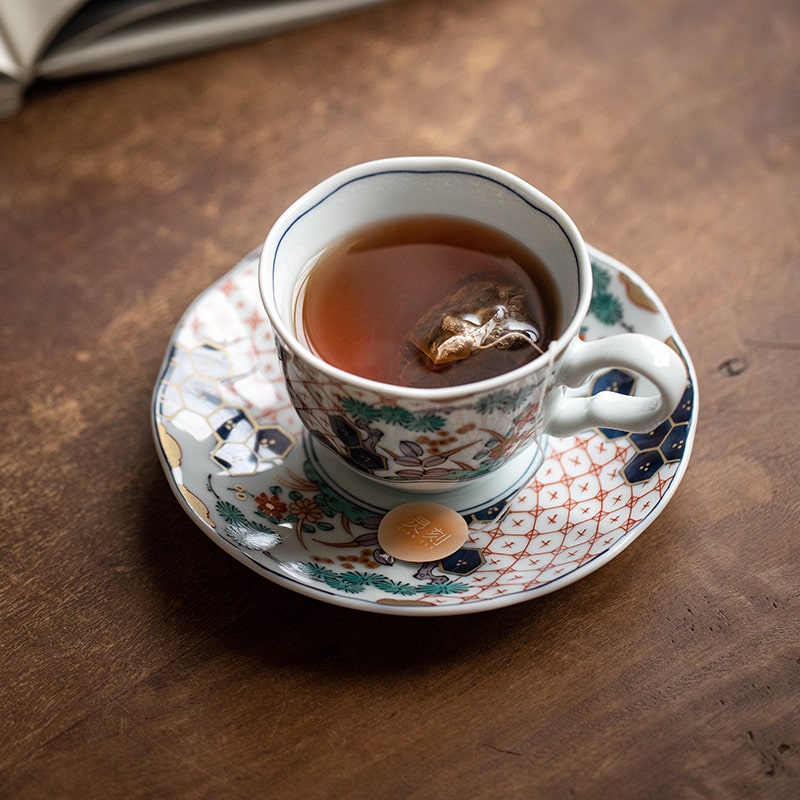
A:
x: 478, y: 315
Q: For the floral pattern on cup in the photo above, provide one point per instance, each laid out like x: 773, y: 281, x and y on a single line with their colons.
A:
x: 378, y: 437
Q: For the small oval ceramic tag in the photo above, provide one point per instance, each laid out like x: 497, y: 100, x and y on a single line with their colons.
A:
x: 422, y: 531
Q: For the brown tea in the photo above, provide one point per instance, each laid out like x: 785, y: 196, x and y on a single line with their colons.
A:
x: 428, y: 301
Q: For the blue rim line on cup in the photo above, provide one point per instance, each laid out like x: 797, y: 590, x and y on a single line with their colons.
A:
x: 460, y: 167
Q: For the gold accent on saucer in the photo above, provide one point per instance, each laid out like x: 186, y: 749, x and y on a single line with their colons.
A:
x: 670, y: 342
x: 637, y: 295
x: 172, y: 450
x: 197, y: 505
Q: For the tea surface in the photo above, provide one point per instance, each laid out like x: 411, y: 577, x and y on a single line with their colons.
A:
x: 367, y: 303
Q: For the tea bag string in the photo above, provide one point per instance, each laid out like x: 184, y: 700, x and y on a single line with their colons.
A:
x: 510, y: 338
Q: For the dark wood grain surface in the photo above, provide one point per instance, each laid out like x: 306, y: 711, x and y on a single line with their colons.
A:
x: 137, y: 659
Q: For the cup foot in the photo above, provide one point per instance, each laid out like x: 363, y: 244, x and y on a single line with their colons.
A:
x: 466, y: 497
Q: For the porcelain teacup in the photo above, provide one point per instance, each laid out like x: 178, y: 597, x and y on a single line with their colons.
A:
x: 391, y: 436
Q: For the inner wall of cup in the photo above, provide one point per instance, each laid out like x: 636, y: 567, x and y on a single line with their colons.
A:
x: 321, y: 220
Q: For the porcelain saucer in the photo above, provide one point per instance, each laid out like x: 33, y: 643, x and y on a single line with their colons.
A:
x: 237, y: 458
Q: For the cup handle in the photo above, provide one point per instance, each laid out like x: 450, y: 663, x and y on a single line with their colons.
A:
x: 634, y: 352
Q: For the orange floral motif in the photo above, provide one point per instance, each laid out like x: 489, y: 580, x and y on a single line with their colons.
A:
x: 365, y: 558
x: 271, y: 505
x: 306, y: 510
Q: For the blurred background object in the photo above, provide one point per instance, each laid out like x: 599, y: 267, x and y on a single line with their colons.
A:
x: 64, y: 38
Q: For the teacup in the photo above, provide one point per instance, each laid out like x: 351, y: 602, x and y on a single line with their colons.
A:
x: 391, y: 436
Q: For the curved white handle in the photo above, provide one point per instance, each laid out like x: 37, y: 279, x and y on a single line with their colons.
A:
x: 635, y: 352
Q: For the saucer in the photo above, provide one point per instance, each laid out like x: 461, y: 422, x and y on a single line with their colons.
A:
x: 238, y: 460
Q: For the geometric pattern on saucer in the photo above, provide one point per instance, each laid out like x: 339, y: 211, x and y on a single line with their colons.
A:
x: 236, y: 457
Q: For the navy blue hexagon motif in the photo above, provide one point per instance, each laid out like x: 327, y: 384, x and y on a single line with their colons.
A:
x: 615, y: 380
x: 243, y: 446
x: 462, y: 562
x: 643, y: 465
x: 359, y: 451
x: 662, y: 445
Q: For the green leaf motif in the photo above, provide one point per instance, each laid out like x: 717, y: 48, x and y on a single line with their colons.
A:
x: 419, y: 423
x: 601, y: 279
x: 607, y: 309
x: 501, y: 401
x: 230, y: 513
x: 329, y: 577
x: 356, y: 582
x: 396, y: 416
x: 359, y: 409
x: 605, y: 306
x: 452, y: 587
x: 426, y: 423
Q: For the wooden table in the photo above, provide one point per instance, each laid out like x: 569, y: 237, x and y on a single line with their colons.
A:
x: 140, y: 660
